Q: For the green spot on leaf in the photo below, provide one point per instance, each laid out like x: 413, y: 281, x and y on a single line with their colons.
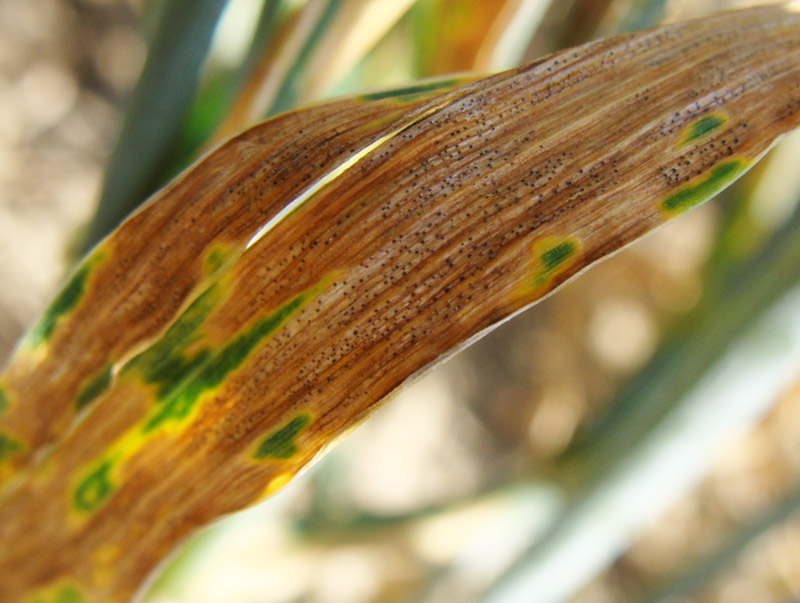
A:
x: 554, y: 257
x: 4, y: 401
x: 701, y: 127
x: 63, y: 594
x: 165, y: 363
x: 93, y: 387
x: 694, y: 194
x: 9, y: 446
x: 69, y: 594
x: 215, y: 260
x: 64, y: 302
x: 280, y: 445
x: 212, y: 367
x: 94, y: 488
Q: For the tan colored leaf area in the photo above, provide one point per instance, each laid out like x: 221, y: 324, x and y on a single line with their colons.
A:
x: 273, y: 294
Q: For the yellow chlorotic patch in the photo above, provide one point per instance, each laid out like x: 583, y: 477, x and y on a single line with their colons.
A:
x: 276, y: 483
x: 215, y: 365
x: 97, y: 481
x: 167, y: 361
x: 184, y: 383
x: 551, y: 256
x: 217, y: 258
x: 103, y: 560
x: 706, y: 186
x: 63, y: 592
x: 702, y: 127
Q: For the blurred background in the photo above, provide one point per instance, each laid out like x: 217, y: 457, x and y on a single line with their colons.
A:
x: 634, y: 437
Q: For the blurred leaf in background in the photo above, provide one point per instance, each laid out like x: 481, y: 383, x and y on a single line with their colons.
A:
x: 536, y: 461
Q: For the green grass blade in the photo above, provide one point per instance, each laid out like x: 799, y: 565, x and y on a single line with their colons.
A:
x: 271, y: 14
x: 213, y: 101
x: 156, y: 109
x: 288, y: 91
x: 704, y: 570
x: 642, y: 14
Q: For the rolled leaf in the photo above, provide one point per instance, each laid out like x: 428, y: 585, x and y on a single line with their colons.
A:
x: 268, y: 299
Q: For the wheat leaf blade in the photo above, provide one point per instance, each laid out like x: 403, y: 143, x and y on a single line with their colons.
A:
x: 448, y: 214
x: 151, y: 268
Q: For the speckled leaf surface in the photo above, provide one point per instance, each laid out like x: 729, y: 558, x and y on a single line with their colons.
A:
x: 270, y: 297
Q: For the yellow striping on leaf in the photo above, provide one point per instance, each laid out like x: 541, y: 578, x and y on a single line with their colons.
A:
x: 167, y: 362
x: 175, y: 408
x: 210, y: 374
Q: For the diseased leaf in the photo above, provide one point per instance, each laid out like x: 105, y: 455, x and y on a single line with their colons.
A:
x: 155, y: 266
x: 270, y: 297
